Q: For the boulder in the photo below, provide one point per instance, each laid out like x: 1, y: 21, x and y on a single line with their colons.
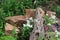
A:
x: 15, y: 22
x: 50, y: 13
x: 16, y: 19
x: 9, y: 28
x: 30, y: 13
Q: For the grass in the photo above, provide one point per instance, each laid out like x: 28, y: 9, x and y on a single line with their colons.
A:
x: 7, y: 38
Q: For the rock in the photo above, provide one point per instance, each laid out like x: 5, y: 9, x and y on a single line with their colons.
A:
x: 16, y: 19
x: 42, y: 12
x: 50, y: 13
x: 9, y: 28
x: 30, y: 13
x: 15, y: 22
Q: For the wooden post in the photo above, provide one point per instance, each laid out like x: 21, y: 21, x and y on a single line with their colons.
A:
x: 38, y: 29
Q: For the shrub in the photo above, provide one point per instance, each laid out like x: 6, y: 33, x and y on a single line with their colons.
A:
x: 57, y: 10
x: 26, y: 30
x: 7, y: 38
x: 15, y: 7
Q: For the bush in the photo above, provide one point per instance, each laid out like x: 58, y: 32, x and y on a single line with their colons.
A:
x: 15, y: 7
x: 2, y: 22
x: 57, y: 10
x: 25, y: 33
x: 7, y: 38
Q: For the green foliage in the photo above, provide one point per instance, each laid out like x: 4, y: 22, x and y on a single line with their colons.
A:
x: 2, y: 22
x: 11, y: 7
x: 7, y: 38
x: 52, y: 36
x: 15, y: 7
x: 25, y: 33
x: 42, y: 2
x: 48, y: 20
x: 13, y: 32
x: 57, y: 10
x: 26, y: 29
